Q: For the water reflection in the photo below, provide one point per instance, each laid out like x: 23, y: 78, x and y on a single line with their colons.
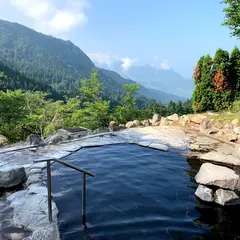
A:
x: 222, y: 221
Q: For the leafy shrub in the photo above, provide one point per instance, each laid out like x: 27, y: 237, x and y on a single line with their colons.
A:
x: 236, y: 107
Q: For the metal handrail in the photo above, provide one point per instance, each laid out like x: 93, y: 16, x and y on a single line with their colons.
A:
x: 49, y: 185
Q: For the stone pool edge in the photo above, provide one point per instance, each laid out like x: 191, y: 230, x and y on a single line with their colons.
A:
x: 36, y: 191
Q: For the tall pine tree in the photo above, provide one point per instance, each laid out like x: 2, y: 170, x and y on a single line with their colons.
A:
x: 235, y: 72
x: 203, y: 93
x: 221, y: 80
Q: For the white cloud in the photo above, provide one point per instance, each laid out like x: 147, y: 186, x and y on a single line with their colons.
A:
x: 165, y: 65
x: 49, y: 17
x: 108, y: 59
x: 35, y: 9
x: 62, y: 21
x: 127, y: 63
x: 103, y: 58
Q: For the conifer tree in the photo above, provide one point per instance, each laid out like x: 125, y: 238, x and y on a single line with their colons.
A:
x: 235, y: 72
x: 203, y: 93
x: 221, y: 80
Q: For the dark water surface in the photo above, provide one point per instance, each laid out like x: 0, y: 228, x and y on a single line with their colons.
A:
x: 138, y: 193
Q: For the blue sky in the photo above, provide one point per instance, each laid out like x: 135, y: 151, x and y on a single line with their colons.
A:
x: 163, y: 33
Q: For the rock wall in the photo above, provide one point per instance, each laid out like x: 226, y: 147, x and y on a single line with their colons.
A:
x: 225, y: 130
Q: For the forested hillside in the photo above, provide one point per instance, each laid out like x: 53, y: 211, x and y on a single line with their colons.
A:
x: 13, y: 80
x: 59, y: 63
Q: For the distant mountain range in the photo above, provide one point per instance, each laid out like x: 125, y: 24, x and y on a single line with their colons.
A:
x: 155, y: 78
x: 61, y: 64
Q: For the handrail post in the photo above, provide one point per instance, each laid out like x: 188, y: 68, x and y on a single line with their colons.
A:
x: 49, y: 185
x: 84, y: 199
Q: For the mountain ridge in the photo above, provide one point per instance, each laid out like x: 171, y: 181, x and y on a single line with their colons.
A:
x: 151, y: 77
x: 59, y: 63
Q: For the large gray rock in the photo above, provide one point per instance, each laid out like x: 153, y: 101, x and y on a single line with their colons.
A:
x: 11, y: 176
x: 197, y: 118
x: 223, y: 177
x: 121, y: 126
x: 113, y: 126
x: 204, y: 193
x: 226, y: 197
x: 173, y: 117
x: 184, y: 120
x: 30, y: 208
x: 59, y: 136
x: 137, y: 123
x: 156, y: 119
x: 206, y: 124
x: 164, y: 122
x: 130, y: 124
x: 146, y: 123
x: 3, y: 140
x: 34, y: 139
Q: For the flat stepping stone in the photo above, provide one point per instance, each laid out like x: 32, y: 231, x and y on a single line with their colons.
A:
x: 35, y: 178
x: 221, y: 158
x: 56, y: 154
x: 158, y: 146
x: 144, y: 143
x: 69, y: 147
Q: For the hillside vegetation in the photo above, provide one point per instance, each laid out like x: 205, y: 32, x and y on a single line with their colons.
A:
x: 26, y: 112
x: 12, y: 80
x: 60, y: 63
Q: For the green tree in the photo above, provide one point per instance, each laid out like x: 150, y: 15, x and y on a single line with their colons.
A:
x: 12, y: 114
x: 127, y: 110
x: 221, y: 80
x: 235, y: 72
x: 179, y: 108
x: 187, y: 107
x: 155, y: 107
x: 232, y: 16
x: 23, y: 113
x: 94, y: 111
x: 171, y: 108
x: 203, y: 93
x: 44, y: 115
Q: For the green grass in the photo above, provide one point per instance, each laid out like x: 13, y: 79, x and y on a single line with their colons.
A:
x: 224, y: 116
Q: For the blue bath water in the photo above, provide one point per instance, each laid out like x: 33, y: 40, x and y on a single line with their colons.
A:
x: 138, y: 193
